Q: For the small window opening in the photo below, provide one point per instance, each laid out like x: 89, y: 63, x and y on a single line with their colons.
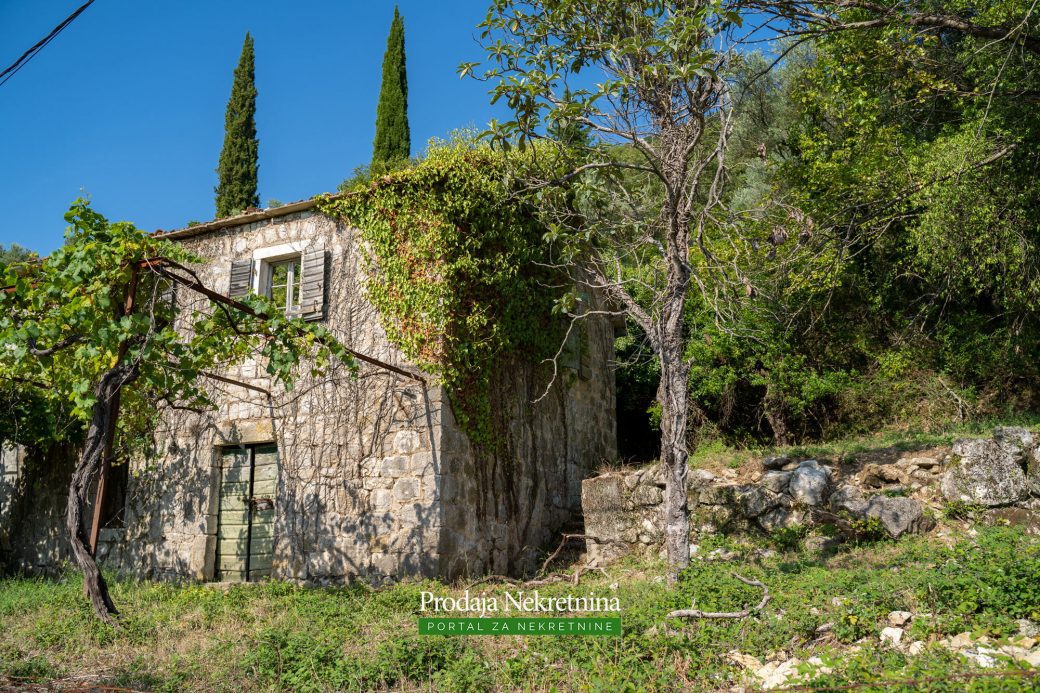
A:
x: 284, y: 283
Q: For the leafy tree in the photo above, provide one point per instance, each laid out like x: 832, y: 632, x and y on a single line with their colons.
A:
x: 393, y: 143
x: 91, y: 331
x: 237, y: 170
x: 910, y: 142
x: 636, y: 207
x: 14, y: 253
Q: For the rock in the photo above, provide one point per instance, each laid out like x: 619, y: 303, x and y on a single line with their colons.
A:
x: 776, y: 462
x: 915, y: 648
x: 848, y: 498
x: 717, y: 495
x: 891, y: 635
x: 814, y: 464
x: 923, y: 462
x: 983, y: 657
x: 878, y: 475
x: 700, y: 477
x: 777, y: 482
x: 1027, y: 628
x: 988, y: 472
x: 647, y: 495
x: 1015, y: 436
x: 1026, y: 643
x: 745, y: 660
x: 898, y: 515
x: 960, y: 641
x: 754, y: 500
x: 899, y: 618
x: 809, y: 483
x: 821, y: 545
x: 1026, y: 518
x: 773, y: 674
x: 782, y: 517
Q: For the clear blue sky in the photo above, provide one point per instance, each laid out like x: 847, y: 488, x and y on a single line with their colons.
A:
x: 127, y: 104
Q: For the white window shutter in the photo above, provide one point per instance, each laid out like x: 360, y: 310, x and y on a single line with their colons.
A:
x: 241, y: 278
x: 312, y: 290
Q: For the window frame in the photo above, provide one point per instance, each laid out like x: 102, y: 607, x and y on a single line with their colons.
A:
x: 264, y: 260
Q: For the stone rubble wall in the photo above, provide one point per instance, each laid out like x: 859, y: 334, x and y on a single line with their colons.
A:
x: 624, y: 510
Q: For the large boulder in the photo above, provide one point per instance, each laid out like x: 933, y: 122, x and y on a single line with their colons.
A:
x: 989, y: 472
x: 898, y: 515
x: 809, y: 483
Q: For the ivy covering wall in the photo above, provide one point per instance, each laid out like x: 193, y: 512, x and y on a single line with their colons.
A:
x: 458, y: 270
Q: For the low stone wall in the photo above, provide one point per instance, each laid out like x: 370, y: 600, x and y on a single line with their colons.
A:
x: 902, y: 494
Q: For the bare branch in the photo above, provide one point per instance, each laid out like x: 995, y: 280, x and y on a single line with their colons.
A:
x: 743, y: 613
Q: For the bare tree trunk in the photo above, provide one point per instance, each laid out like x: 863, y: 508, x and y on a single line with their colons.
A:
x: 673, y: 396
x: 86, y: 471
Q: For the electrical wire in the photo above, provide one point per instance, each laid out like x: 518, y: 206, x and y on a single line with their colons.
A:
x: 40, y: 45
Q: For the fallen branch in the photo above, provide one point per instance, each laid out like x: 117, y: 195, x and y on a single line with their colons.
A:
x: 563, y: 542
x: 587, y: 567
x: 743, y: 613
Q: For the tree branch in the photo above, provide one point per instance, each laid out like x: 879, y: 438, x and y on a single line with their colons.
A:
x: 743, y: 613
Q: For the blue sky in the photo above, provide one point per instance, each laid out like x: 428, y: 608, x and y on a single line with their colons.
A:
x: 127, y: 104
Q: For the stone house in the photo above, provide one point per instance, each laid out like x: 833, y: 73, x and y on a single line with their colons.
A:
x: 364, y: 475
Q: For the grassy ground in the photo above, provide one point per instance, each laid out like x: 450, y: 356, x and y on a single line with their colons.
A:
x: 895, y: 437
x: 279, y: 637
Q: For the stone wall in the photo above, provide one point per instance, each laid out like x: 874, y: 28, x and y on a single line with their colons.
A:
x: 902, y: 493
x: 34, y: 486
x: 376, y: 479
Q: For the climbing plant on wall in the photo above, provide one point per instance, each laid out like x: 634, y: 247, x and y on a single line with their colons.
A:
x: 458, y: 268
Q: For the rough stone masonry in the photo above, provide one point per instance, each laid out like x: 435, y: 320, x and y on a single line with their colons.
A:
x: 999, y: 475
x: 375, y: 477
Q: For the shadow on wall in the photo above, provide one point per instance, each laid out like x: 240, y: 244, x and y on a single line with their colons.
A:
x: 32, y: 528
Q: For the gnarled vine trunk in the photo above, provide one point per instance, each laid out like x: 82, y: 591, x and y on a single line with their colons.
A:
x: 102, y: 419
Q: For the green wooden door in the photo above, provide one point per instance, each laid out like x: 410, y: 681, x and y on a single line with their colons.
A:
x: 245, y: 528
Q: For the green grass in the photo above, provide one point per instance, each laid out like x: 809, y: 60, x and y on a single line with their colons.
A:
x: 277, y: 636
x: 898, y: 438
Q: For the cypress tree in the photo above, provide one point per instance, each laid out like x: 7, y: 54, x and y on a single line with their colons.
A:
x: 237, y: 170
x: 393, y: 141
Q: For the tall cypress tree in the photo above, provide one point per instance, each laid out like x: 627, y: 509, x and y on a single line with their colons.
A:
x: 393, y: 141
x: 237, y: 170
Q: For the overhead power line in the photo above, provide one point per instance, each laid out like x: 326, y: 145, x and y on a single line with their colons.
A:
x: 40, y: 45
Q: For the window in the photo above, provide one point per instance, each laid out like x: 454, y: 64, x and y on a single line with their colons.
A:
x: 292, y: 275
x: 284, y: 284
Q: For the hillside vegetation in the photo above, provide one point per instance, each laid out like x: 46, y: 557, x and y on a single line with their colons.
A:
x: 275, y: 636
